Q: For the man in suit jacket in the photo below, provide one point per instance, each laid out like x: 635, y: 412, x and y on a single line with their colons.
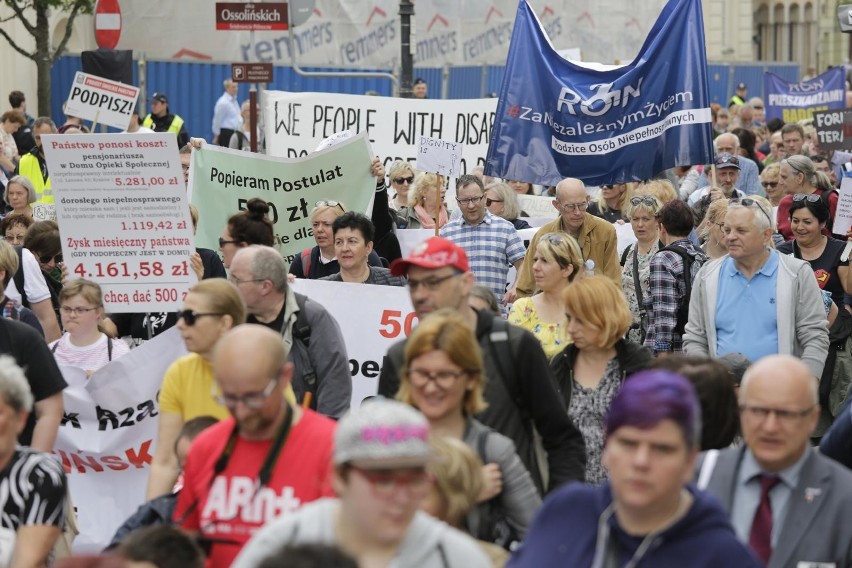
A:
x: 810, y: 497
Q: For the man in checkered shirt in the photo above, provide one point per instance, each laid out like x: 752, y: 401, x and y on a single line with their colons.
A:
x: 492, y: 244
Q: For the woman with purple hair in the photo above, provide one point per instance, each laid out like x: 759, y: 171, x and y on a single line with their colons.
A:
x: 646, y: 514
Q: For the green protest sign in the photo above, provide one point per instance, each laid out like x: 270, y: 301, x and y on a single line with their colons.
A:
x: 223, y: 181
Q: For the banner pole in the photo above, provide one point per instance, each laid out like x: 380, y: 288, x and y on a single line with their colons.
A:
x: 437, y: 207
x: 713, y: 174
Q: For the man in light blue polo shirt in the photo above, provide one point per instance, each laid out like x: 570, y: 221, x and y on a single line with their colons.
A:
x: 754, y: 300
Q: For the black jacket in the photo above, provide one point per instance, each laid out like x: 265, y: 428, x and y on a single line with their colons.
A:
x: 631, y: 358
x: 525, y: 398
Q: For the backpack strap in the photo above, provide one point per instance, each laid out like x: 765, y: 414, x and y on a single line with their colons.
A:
x: 302, y: 333
x: 109, y: 348
x: 306, y: 262
x: 624, y: 254
x: 683, y: 309
x: 503, y: 352
x: 18, y: 277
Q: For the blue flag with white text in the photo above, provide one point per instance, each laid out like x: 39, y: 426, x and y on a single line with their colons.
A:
x: 558, y: 119
x: 793, y: 102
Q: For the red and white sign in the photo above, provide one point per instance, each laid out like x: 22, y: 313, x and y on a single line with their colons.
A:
x: 107, y: 23
x: 251, y: 16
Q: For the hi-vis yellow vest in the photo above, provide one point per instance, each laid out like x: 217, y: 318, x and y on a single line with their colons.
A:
x: 174, y: 127
x: 30, y: 169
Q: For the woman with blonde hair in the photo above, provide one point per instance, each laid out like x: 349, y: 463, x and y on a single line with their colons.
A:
x: 556, y: 263
x: 589, y: 372
x: 503, y: 202
x: 83, y: 344
x: 642, y: 211
x: 424, y: 202
x: 611, y: 202
x: 443, y: 377
x: 401, y: 174
x: 770, y: 179
x: 211, y: 308
x: 710, y: 230
x: 662, y: 189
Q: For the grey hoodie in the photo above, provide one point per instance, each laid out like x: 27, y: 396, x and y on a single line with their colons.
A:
x: 429, y: 542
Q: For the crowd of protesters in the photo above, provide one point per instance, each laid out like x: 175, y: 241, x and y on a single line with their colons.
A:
x: 679, y: 401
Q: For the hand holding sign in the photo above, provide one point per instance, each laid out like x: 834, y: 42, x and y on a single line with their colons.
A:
x: 439, y: 156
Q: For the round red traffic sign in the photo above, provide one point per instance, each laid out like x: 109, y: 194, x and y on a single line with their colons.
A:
x: 107, y: 23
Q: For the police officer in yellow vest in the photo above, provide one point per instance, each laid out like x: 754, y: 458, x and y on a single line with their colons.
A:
x: 33, y: 166
x: 161, y: 120
x: 739, y: 97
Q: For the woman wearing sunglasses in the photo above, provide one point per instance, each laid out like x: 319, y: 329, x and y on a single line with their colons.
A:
x: 611, y: 202
x: 424, y: 203
x: 444, y: 379
x: 250, y: 227
x: 502, y: 201
x: 321, y: 260
x: 211, y: 308
x: 401, y: 175
x: 770, y: 180
x: 84, y: 345
x: 642, y: 210
x: 557, y: 262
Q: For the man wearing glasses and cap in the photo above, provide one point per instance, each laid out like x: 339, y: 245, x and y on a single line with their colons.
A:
x: 161, y: 120
x: 727, y: 176
x: 262, y: 463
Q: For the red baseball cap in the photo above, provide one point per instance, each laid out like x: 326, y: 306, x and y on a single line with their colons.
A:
x: 435, y: 252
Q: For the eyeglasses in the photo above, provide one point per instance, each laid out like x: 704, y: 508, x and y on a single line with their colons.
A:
x: 489, y: 201
x: 648, y: 200
x: 787, y: 417
x: 223, y: 242
x: 755, y: 107
x: 748, y: 202
x: 385, y: 481
x: 189, y: 317
x: 468, y: 201
x: 810, y: 197
x: 770, y: 184
x: 429, y: 283
x: 573, y: 206
x: 253, y: 400
x: 553, y: 238
x: 47, y: 258
x: 238, y: 281
x: 402, y: 180
x: 330, y: 203
x: 444, y: 379
x: 14, y: 239
x: 76, y: 311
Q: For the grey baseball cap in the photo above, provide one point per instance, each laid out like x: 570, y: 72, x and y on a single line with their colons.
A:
x: 383, y: 434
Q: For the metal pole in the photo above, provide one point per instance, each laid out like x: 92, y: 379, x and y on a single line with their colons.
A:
x: 406, y: 14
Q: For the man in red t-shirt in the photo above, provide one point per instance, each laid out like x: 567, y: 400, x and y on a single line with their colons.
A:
x: 266, y: 461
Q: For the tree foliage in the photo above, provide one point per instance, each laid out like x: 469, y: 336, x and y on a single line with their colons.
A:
x: 39, y: 28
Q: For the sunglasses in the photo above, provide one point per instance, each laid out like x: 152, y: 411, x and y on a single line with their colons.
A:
x: 189, y: 317
x: 223, y: 242
x: 809, y: 197
x: 47, y: 258
x: 772, y: 184
x: 489, y: 201
x: 402, y: 180
x: 748, y: 202
x: 330, y: 203
x: 649, y: 200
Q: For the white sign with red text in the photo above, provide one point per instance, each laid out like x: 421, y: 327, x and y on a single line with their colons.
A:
x: 371, y: 318
x: 121, y: 203
x: 108, y: 435
x: 100, y: 100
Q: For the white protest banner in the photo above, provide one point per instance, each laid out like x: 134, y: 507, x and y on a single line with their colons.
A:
x: 121, y: 203
x: 538, y: 206
x: 108, y: 436
x: 296, y: 122
x: 372, y: 318
x: 843, y: 216
x: 102, y: 101
x: 624, y: 234
x: 410, y: 238
x: 224, y: 180
x: 439, y: 156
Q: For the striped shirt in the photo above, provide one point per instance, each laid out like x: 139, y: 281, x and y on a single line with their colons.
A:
x: 87, y: 357
x: 492, y: 247
x: 32, y: 490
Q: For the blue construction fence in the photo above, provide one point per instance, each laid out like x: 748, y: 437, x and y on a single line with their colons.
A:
x: 193, y: 88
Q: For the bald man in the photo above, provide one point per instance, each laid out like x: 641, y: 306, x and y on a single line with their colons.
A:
x: 263, y: 462
x: 792, y: 505
x: 596, y: 237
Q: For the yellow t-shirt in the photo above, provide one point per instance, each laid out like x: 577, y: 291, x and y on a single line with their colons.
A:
x: 188, y: 389
x: 552, y: 336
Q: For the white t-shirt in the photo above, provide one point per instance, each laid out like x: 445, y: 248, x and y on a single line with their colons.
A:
x: 34, y: 283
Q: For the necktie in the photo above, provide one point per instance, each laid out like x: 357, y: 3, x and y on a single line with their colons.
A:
x: 760, y: 537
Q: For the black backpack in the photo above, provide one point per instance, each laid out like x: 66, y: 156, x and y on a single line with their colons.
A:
x: 302, y: 333
x: 691, y: 266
